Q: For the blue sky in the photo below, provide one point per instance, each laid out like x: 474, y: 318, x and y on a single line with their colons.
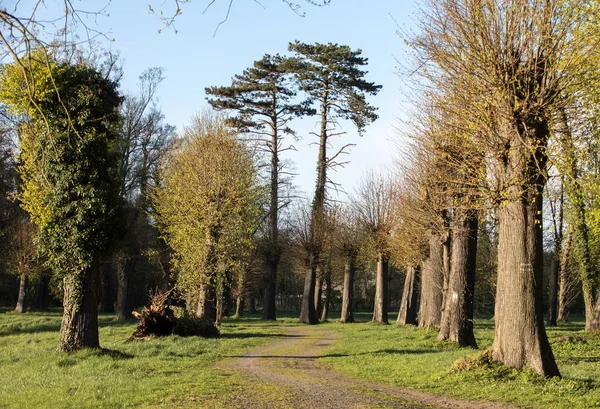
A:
x: 193, y: 59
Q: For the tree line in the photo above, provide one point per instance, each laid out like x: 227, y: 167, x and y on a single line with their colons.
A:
x: 503, y: 135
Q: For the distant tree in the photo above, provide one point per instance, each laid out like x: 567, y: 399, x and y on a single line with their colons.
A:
x: 144, y: 140
x: 67, y: 171
x: 207, y: 207
x: 374, y: 204
x: 332, y: 76
x: 262, y: 98
x: 348, y: 239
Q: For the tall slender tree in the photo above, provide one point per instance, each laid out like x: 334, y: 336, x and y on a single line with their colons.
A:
x: 333, y: 77
x: 263, y: 99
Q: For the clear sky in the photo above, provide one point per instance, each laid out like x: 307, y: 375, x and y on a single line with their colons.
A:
x: 193, y: 59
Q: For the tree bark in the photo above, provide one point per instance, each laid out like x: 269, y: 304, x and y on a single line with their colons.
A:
x: 461, y: 284
x: 445, y: 314
x: 563, y: 281
x: 124, y: 304
x: 319, y: 296
x: 431, y: 285
x: 252, y: 305
x: 326, y: 303
x: 410, y: 294
x: 239, y: 306
x: 79, y: 327
x: 23, y: 294
x: 553, y: 293
x: 520, y: 338
x: 380, y: 310
x: 108, y: 297
x: 308, y: 314
x: 269, y: 311
x: 348, y: 291
x: 41, y: 292
x: 207, y: 303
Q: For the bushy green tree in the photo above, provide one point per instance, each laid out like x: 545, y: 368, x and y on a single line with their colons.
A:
x: 208, y: 207
x: 67, y: 135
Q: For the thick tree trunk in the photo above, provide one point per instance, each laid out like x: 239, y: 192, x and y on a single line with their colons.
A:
x: 327, y: 301
x: 308, y: 314
x: 79, y: 327
x: 269, y: 312
x: 520, y: 338
x: 23, y: 294
x: 319, y: 296
x: 553, y: 293
x: 461, y: 284
x: 124, y: 302
x: 109, y: 294
x: 410, y: 294
x: 432, y: 283
x: 41, y: 293
x: 380, y: 310
x: 348, y: 291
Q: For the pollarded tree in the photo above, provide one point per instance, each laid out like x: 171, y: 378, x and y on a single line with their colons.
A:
x: 207, y: 207
x: 510, y: 60
x: 68, y: 176
x: 263, y: 99
x: 333, y: 77
x: 374, y: 205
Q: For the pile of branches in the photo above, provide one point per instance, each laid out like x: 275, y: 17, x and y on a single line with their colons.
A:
x: 156, y: 320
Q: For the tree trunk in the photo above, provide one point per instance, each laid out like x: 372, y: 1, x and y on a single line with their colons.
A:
x: 431, y: 285
x: 410, y: 294
x: 319, y: 296
x: 380, y: 310
x: 23, y: 294
x: 109, y: 295
x: 124, y: 302
x: 326, y: 303
x: 563, y: 281
x: 206, y: 303
x: 348, y: 291
x: 79, y: 327
x: 308, y: 314
x: 41, y: 292
x: 520, y: 338
x: 269, y: 312
x: 239, y: 306
x: 252, y: 305
x: 445, y: 314
x: 553, y: 293
x: 461, y: 284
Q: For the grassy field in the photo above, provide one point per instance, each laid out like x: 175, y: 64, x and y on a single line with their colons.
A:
x: 181, y: 372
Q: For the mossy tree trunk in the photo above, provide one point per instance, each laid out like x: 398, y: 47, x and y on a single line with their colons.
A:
x: 79, y: 327
x: 432, y: 282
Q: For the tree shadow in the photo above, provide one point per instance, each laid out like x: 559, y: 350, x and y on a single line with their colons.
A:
x: 113, y: 353
x: 16, y: 329
x: 244, y: 335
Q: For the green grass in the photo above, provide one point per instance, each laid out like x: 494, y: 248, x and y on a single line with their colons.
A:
x: 162, y: 372
x: 412, y: 358
x: 181, y: 372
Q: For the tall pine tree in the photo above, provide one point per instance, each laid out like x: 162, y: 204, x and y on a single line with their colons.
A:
x: 333, y: 77
x: 263, y: 98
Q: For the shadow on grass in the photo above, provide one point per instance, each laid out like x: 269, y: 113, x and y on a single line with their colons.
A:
x: 113, y: 353
x: 417, y: 351
x: 243, y: 335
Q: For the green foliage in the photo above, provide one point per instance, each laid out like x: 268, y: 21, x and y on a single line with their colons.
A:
x: 332, y: 75
x: 188, y: 326
x: 208, y: 204
x: 68, y: 188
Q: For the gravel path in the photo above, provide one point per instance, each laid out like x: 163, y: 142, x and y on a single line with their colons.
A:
x: 290, y: 366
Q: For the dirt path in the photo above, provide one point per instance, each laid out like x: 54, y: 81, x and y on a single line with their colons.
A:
x: 289, y: 366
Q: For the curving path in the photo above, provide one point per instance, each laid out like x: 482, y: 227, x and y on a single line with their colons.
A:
x: 290, y: 367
